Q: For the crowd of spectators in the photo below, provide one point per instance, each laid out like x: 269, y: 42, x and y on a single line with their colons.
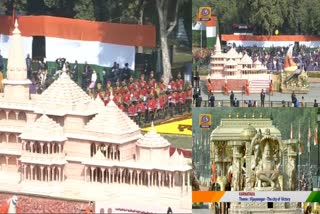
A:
x: 144, y: 99
x: 273, y: 58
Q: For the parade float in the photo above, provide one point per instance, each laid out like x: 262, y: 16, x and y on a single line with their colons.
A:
x: 250, y: 155
x: 236, y: 72
x: 294, y: 78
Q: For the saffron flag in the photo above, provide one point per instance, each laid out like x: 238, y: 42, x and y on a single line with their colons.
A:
x: 315, y: 136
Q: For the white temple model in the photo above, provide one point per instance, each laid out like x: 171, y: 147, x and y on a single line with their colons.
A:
x: 238, y: 68
x: 62, y: 143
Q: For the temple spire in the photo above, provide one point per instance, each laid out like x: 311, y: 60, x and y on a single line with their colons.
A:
x: 218, y: 45
x: 16, y: 69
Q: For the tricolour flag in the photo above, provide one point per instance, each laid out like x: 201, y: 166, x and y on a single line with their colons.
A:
x: 211, y: 32
x: 315, y: 136
x: 98, y: 43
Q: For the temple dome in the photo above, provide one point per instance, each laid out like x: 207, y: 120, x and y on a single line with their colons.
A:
x: 232, y: 54
x: 64, y: 96
x: 257, y: 62
x: 44, y: 129
x: 153, y: 139
x: 111, y: 120
x: 248, y: 132
x: 246, y: 60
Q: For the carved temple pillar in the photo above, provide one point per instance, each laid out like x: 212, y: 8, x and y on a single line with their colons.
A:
x: 31, y: 169
x: 162, y: 178
x: 173, y: 178
x: 138, y: 177
x: 218, y: 157
x: 24, y: 177
x: 148, y: 178
x: 151, y: 179
x: 41, y: 173
x: 85, y: 173
x: 113, y: 153
x: 248, y: 167
x: 62, y: 173
x: 130, y: 170
x: 91, y: 174
x: 169, y: 179
x: 109, y: 175
x: 183, y: 181
x: 103, y: 171
x: 31, y: 146
x: 159, y: 179
x: 49, y: 173
x: 188, y: 181
x: 41, y: 145
x: 236, y: 167
x: 121, y: 176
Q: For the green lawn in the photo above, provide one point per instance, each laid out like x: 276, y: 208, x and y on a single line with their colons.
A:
x: 184, y: 142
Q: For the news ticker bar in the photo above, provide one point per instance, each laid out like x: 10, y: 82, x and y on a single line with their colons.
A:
x: 262, y: 196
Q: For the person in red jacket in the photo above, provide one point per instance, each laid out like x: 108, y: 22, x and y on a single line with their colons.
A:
x: 152, y: 81
x: 141, y: 109
x: 126, y: 98
x: 173, y: 85
x: 151, y: 106
x: 183, y: 98
x: 132, y: 84
x: 122, y: 107
x: 179, y: 82
x: 142, y: 83
x: 132, y: 111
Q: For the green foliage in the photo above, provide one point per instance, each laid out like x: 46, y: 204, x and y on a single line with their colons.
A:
x: 84, y: 9
x: 288, y: 16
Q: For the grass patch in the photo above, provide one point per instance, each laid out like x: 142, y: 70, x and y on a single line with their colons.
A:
x: 183, y: 142
x: 314, y: 74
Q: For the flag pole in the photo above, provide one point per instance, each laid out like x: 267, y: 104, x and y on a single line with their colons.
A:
x: 299, y: 158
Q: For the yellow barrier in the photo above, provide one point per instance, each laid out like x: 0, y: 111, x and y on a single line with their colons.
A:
x: 182, y: 127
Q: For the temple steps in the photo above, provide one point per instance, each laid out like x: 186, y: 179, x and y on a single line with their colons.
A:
x: 255, y: 86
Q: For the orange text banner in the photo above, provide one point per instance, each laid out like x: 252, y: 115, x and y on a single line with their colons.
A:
x: 207, y: 196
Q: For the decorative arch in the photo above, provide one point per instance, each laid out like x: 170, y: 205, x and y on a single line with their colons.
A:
x: 97, y: 173
x: 55, y: 148
x: 12, y: 138
x: 3, y: 138
x: 3, y: 115
x: 37, y: 147
x: 28, y: 147
x: 12, y: 115
x: 22, y: 116
x: 56, y: 173
x: 93, y: 149
x: 45, y: 148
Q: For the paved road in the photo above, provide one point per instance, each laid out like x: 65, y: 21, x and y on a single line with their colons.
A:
x: 314, y: 93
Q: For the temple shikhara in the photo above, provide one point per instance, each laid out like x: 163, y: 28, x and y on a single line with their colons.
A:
x: 235, y: 70
x: 63, y: 143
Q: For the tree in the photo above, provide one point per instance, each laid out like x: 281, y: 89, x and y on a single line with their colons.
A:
x: 165, y: 27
